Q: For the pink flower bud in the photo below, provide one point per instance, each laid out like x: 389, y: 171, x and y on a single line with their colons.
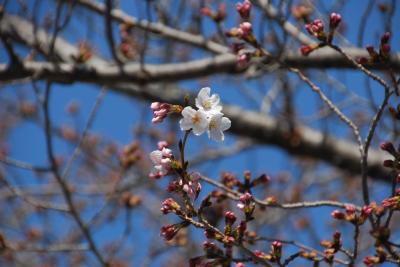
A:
x: 160, y: 111
x: 335, y: 20
x: 169, y: 231
x: 243, y: 60
x: 169, y: 205
x: 244, y: 9
x: 246, y: 28
x: 350, y: 209
x: 162, y: 144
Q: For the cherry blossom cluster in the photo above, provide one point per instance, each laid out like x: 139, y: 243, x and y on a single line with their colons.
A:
x: 352, y: 216
x: 207, y: 118
x: 316, y: 29
x: 161, y: 159
x: 332, y: 247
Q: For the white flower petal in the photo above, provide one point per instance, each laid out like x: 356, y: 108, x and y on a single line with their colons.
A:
x: 216, y: 135
x: 225, y: 124
x: 214, y: 99
x: 185, y: 124
x: 188, y: 112
x: 204, y: 92
x: 156, y: 157
x: 199, y: 129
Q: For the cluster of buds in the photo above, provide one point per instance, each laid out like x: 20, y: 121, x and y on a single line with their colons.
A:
x: 84, y: 53
x: 244, y: 32
x: 331, y: 247
x: 389, y: 147
x: 377, y: 57
x: 192, y: 187
x: 276, y: 250
x: 169, y: 231
x: 128, y: 47
x: 392, y: 203
x: 316, y: 29
x: 169, y: 205
x: 274, y: 255
x: 216, y: 16
x: 229, y: 180
x: 160, y: 111
x: 351, y: 215
x: 244, y: 9
x: 230, y: 234
x: 247, y: 205
x: 161, y: 159
x: 379, y: 258
x: 130, y: 155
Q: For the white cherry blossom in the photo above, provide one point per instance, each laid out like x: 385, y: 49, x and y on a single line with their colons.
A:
x: 194, y: 119
x: 217, y: 125
x: 210, y: 104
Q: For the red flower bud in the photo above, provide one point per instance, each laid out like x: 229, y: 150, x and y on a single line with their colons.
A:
x: 385, y: 49
x: 388, y: 147
x: 388, y: 163
x: 336, y: 214
x: 306, y: 50
x: 362, y: 60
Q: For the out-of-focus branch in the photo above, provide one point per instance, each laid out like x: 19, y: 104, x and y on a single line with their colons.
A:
x: 21, y: 30
x: 156, y: 28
